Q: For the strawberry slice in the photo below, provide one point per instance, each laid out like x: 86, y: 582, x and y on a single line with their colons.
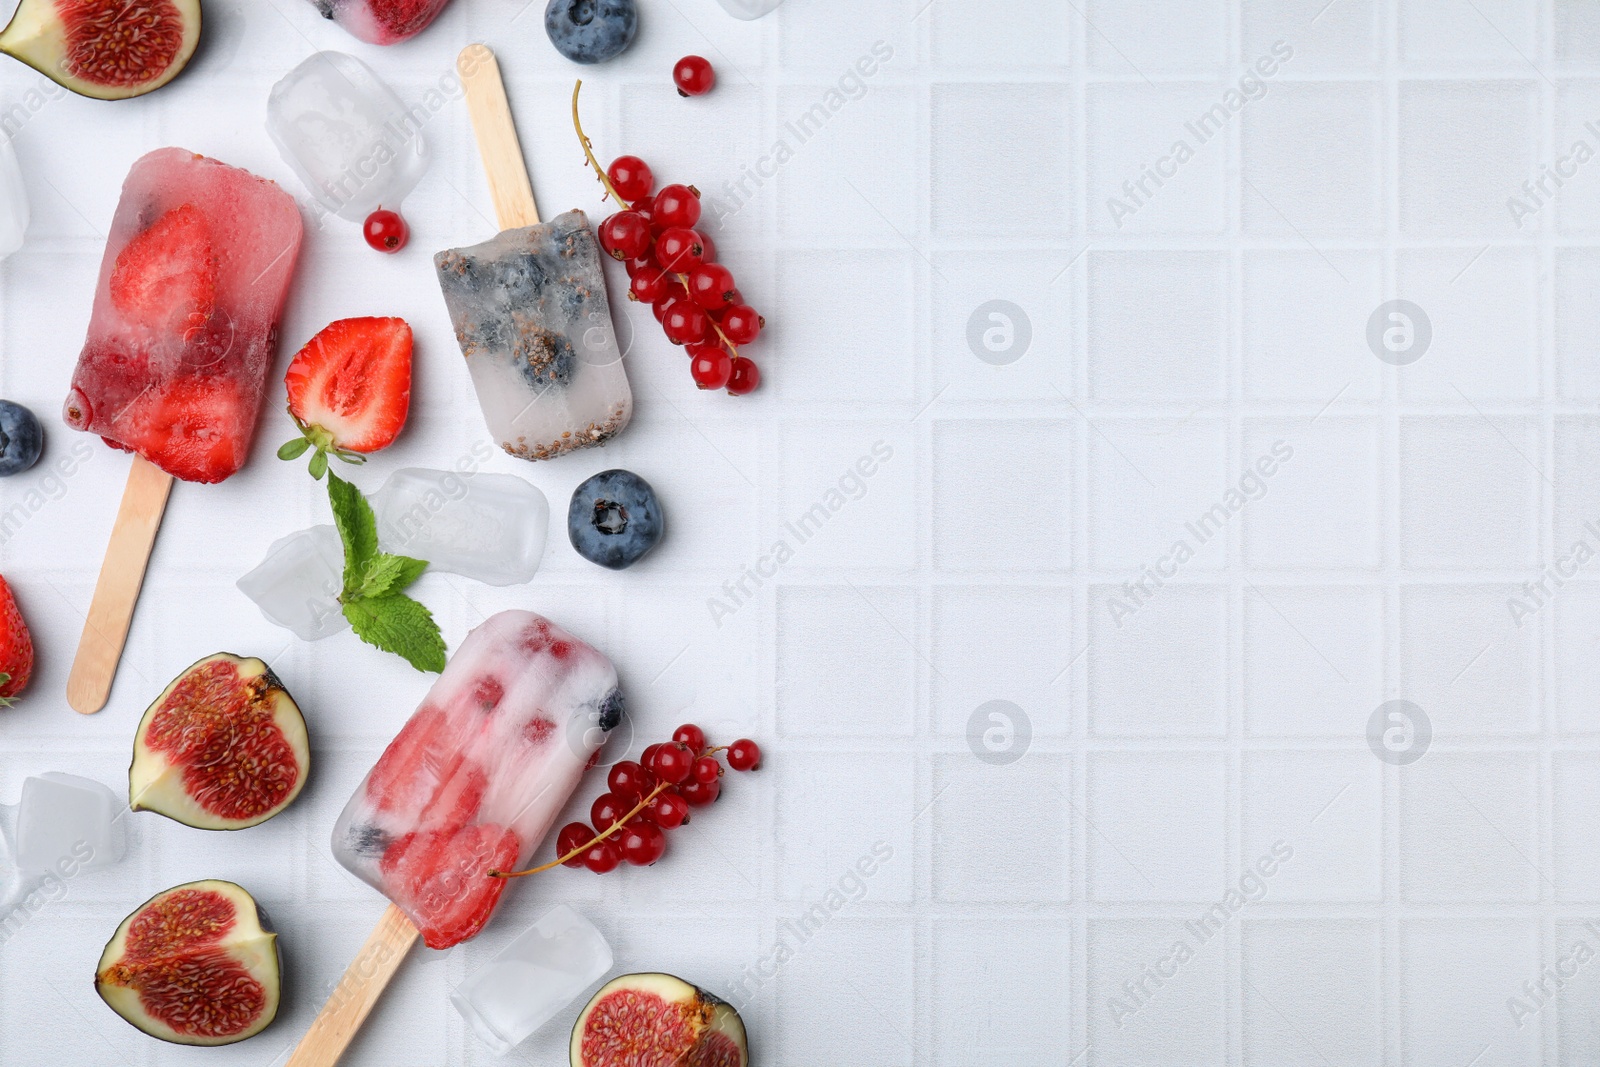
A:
x: 440, y: 878
x: 194, y: 428
x: 16, y: 648
x: 166, y: 277
x: 349, y: 390
x: 402, y: 779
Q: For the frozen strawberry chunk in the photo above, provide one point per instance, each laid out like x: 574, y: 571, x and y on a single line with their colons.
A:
x: 440, y: 878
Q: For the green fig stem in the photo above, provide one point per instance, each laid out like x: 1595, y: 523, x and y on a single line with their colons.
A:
x: 660, y: 788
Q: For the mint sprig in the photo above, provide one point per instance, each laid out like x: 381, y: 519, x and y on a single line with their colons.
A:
x: 379, y: 613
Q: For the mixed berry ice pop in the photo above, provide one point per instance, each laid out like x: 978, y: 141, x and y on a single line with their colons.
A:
x: 479, y: 774
x: 185, y: 314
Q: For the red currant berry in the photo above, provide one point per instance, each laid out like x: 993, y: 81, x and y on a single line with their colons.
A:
x: 746, y: 377
x: 744, y: 755
x: 712, y: 368
x: 631, y: 177
x: 574, y: 835
x: 710, y: 246
x: 647, y: 260
x: 741, y: 323
x: 694, y: 76
x: 386, y: 231
x: 642, y: 843
x: 679, y: 249
x: 603, y: 857
x: 684, y: 322
x: 607, y: 810
x: 647, y: 755
x: 649, y: 284
x: 711, y: 286
x: 668, y: 810
x: 625, y: 235
x: 676, y: 205
x: 691, y: 735
x: 627, y: 781
x: 675, y: 291
x: 706, y: 769
x: 671, y: 762
x: 699, y: 794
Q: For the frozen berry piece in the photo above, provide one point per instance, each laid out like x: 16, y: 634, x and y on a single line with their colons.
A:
x: 591, y: 31
x: 21, y: 439
x: 614, y: 519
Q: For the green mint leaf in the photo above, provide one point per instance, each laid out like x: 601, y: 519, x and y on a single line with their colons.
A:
x: 389, y: 574
x: 358, y: 529
x: 398, y: 624
x: 294, y: 449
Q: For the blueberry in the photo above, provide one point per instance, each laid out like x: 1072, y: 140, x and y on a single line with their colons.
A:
x: 544, y: 358
x: 591, y: 31
x: 522, y: 278
x: 21, y: 439
x: 614, y: 519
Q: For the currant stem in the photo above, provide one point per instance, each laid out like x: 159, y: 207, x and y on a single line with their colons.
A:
x: 581, y: 849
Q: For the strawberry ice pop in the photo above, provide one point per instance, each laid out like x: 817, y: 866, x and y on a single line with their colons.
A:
x: 185, y: 314
x: 195, y: 273
x: 479, y: 773
x: 382, y: 21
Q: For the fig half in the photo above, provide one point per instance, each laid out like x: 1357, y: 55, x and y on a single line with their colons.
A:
x: 661, y: 1020
x: 195, y: 965
x: 223, y: 747
x: 107, y: 49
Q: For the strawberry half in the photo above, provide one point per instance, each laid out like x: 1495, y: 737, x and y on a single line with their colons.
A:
x: 166, y: 277
x: 349, y: 390
x: 191, y: 427
x: 16, y: 648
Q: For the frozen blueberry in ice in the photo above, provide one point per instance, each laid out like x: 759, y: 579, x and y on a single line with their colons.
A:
x: 614, y: 519
x: 591, y: 31
x: 543, y: 358
x: 21, y: 439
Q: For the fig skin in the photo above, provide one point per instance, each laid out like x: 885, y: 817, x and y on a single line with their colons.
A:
x: 249, y: 943
x: 156, y: 779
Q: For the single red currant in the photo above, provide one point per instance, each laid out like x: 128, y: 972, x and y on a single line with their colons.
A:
x: 741, y: 323
x: 671, y: 762
x: 625, y: 235
x: 607, y: 810
x: 603, y: 857
x: 649, y: 284
x: 706, y: 769
x: 712, y: 368
x: 685, y: 321
x: 572, y: 836
x: 694, y: 76
x: 746, y: 377
x: 698, y: 794
x: 744, y: 755
x: 668, y: 810
x: 642, y: 843
x: 679, y: 249
x: 675, y: 292
x: 627, y: 781
x: 691, y: 735
x: 647, y: 260
x: 711, y: 286
x: 676, y: 205
x: 386, y: 231
x: 630, y: 177
x: 647, y: 755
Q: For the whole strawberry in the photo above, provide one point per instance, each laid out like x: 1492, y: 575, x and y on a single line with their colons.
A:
x: 349, y: 390
x: 16, y: 648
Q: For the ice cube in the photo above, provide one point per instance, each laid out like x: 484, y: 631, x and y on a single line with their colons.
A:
x: 490, y: 527
x: 13, y: 200
x: 530, y: 313
x: 347, y: 135
x: 749, y: 9
x: 297, y: 586
x: 532, y: 979
x: 67, y: 824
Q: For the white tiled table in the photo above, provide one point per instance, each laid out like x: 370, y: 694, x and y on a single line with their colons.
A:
x: 1030, y: 909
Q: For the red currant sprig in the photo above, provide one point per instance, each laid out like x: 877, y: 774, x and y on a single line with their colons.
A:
x: 645, y: 798
x: 671, y: 266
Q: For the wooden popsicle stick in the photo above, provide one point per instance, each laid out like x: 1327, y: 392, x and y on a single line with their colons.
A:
x: 105, y: 631
x: 352, y: 999
x: 503, y: 162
